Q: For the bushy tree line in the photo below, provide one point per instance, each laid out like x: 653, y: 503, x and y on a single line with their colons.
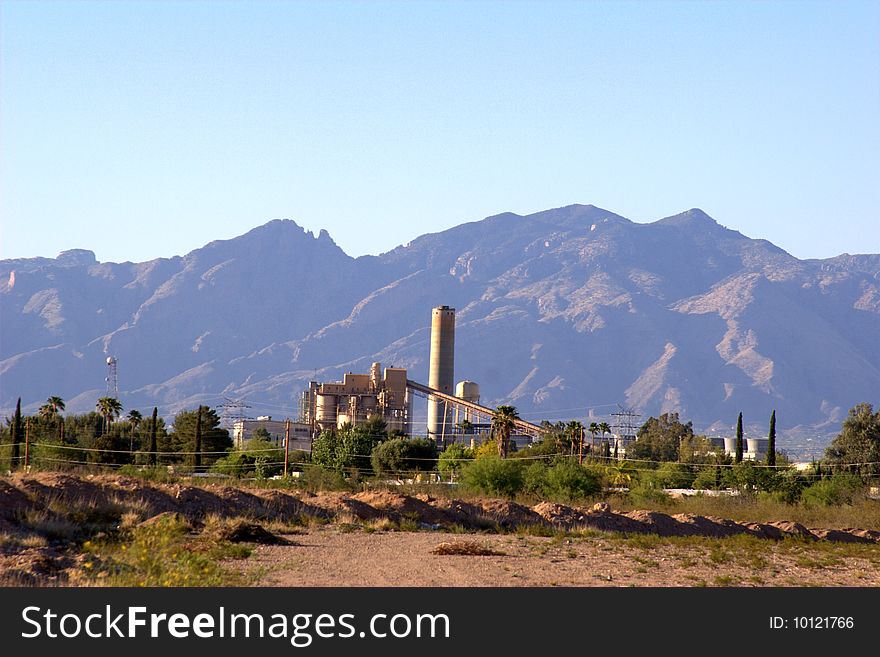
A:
x: 103, y: 437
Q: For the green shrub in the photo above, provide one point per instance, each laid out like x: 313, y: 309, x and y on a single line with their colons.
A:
x: 563, y: 481
x: 648, y: 492
x: 494, y: 476
x: 834, y: 491
x: 747, y: 477
x: 236, y: 464
x: 316, y: 478
x: 535, y: 479
x: 711, y: 478
x: 404, y: 455
x: 157, y: 473
x: 454, y: 458
x: 260, y: 458
x: 788, y: 486
x: 324, y: 449
x: 675, y: 475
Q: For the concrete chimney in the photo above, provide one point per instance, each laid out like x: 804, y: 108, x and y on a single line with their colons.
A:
x: 441, y: 375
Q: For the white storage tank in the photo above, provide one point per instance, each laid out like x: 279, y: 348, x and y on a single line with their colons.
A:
x: 757, y: 447
x: 468, y: 390
x: 730, y: 445
x: 325, y: 410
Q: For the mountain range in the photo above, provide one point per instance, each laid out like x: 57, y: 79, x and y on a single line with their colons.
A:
x: 558, y: 312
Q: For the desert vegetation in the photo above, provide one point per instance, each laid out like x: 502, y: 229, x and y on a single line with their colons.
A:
x: 140, y: 516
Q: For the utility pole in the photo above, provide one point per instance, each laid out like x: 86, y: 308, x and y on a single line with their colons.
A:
x: 286, y: 445
x: 27, y: 441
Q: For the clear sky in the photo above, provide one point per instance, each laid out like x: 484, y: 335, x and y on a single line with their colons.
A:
x: 141, y: 130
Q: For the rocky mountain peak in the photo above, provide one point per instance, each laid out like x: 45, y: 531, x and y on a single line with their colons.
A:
x: 76, y: 258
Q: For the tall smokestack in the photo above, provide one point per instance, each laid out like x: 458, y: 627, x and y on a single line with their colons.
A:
x: 440, y: 375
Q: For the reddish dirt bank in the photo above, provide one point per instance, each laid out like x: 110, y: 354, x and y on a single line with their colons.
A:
x: 106, y: 495
x: 42, y: 514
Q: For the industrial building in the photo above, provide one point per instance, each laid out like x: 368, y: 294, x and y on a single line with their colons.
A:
x: 300, y: 433
x: 360, y: 397
x: 389, y: 394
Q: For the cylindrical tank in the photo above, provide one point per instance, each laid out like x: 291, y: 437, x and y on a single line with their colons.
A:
x: 441, y: 367
x: 325, y: 410
x: 469, y: 391
x: 757, y: 446
x: 730, y: 445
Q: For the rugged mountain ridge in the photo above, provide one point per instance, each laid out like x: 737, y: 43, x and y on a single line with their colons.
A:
x: 558, y: 311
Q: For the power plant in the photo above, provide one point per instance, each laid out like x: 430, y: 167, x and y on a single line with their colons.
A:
x: 389, y: 394
x: 358, y: 398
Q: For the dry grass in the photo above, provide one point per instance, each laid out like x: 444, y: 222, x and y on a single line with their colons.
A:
x: 465, y: 548
x: 862, y: 513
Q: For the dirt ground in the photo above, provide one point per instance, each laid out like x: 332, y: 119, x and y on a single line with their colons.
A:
x: 387, y: 538
x: 327, y: 556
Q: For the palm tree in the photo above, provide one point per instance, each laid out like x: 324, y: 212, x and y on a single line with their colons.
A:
x: 575, y: 431
x: 109, y: 407
x: 604, y: 428
x: 465, y: 426
x: 593, y: 429
x: 46, y: 412
x: 134, y: 419
x: 503, y: 423
x: 50, y: 411
x: 56, y: 403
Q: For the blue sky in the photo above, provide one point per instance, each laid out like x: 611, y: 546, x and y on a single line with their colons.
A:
x: 141, y: 130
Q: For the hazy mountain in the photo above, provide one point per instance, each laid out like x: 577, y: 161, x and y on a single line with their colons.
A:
x: 557, y: 311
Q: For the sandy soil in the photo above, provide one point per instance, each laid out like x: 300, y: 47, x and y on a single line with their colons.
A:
x: 350, y: 539
x: 329, y: 557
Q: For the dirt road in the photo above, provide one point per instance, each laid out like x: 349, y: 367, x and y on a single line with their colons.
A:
x: 330, y: 557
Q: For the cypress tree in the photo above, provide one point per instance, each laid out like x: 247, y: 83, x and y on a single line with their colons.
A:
x: 16, y: 436
x: 771, y: 440
x: 739, y: 439
x: 197, y: 457
x: 154, y: 458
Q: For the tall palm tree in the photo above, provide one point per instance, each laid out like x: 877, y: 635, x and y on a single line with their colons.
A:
x: 109, y: 408
x: 46, y: 412
x: 603, y: 429
x: 50, y: 411
x: 134, y: 419
x: 575, y: 431
x: 56, y: 403
x: 593, y: 429
x: 503, y: 423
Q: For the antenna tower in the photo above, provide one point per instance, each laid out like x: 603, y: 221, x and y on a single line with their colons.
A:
x: 112, y: 381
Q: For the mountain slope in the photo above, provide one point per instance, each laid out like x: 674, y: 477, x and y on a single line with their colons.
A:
x: 561, y: 310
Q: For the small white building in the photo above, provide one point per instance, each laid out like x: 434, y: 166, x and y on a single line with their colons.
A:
x: 300, y: 433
